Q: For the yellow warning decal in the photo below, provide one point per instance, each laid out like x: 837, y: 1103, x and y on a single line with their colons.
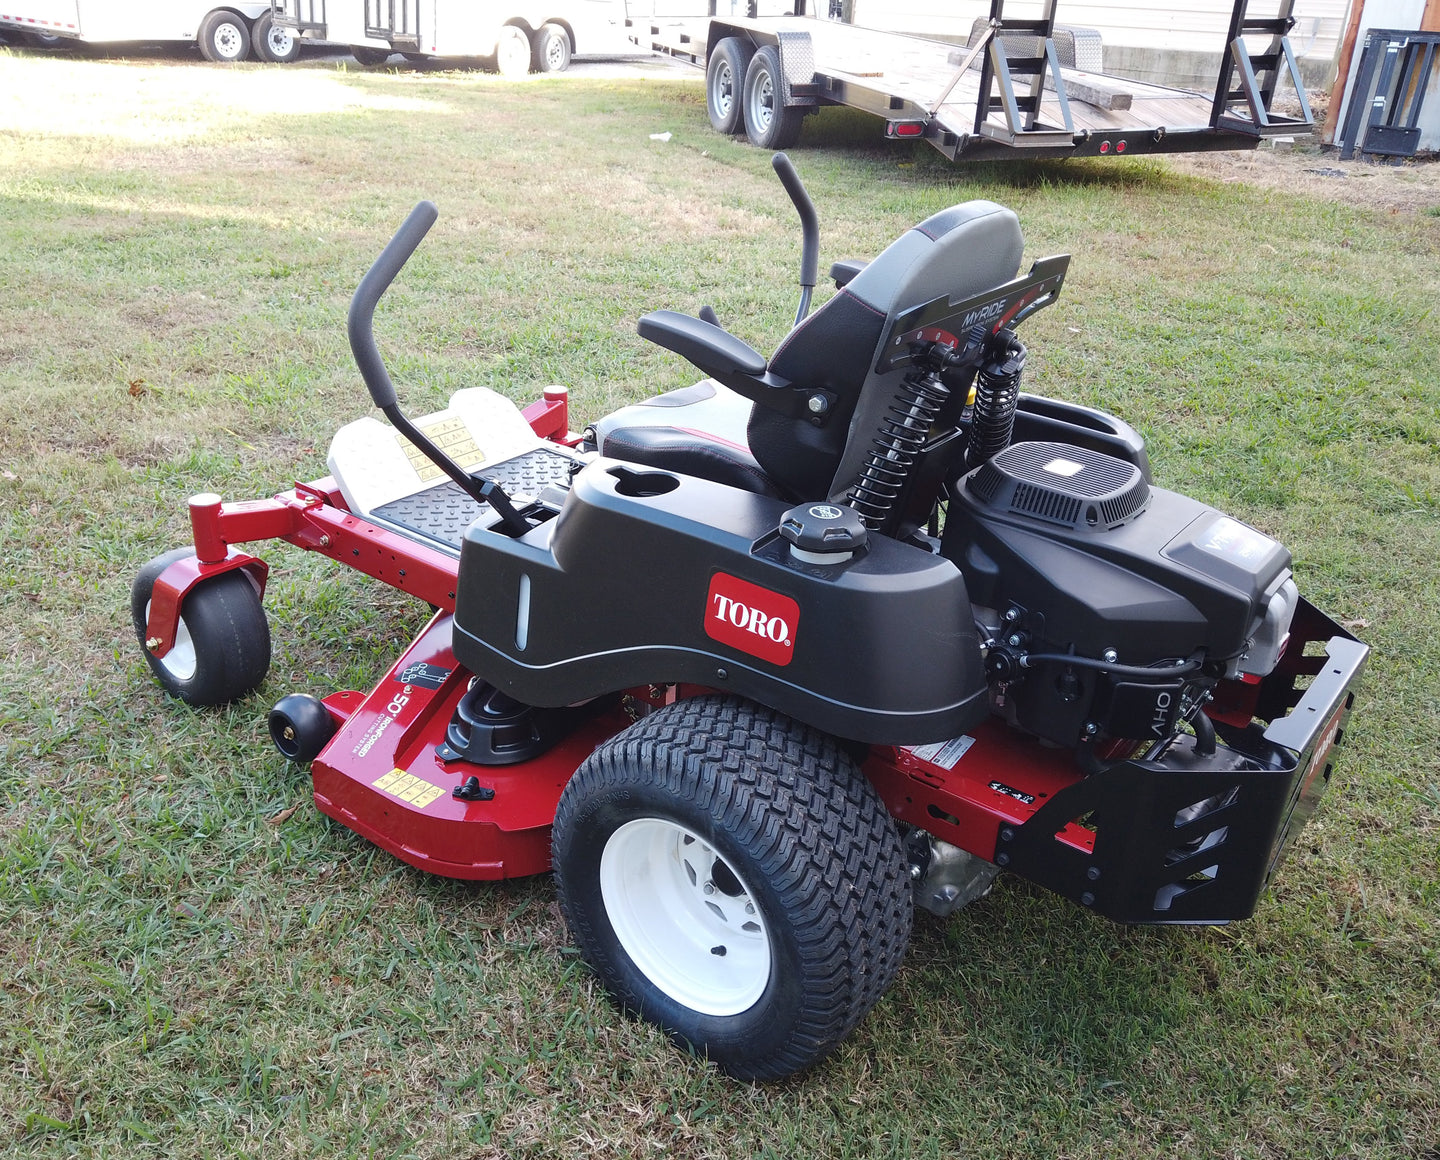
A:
x: 408, y: 788
x: 453, y: 438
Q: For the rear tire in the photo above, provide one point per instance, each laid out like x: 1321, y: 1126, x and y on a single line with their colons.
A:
x: 222, y: 644
x: 769, y: 123
x: 224, y: 38
x: 725, y: 84
x: 274, y: 42
x: 552, y: 49
x: 513, y: 53
x: 731, y: 876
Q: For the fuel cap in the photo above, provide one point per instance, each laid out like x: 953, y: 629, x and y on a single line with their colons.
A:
x: 823, y: 533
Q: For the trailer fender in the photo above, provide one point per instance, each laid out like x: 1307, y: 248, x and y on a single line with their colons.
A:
x: 797, y: 57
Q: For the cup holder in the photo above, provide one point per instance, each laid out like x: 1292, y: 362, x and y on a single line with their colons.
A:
x: 643, y: 484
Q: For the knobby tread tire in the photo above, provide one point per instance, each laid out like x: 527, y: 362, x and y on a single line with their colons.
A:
x: 810, y: 828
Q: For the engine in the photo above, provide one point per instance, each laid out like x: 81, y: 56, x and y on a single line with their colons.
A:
x: 1110, y: 607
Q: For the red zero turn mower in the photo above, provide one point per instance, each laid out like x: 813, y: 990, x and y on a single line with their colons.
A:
x: 760, y: 665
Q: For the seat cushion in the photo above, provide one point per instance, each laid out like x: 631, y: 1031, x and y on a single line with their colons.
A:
x: 698, y: 430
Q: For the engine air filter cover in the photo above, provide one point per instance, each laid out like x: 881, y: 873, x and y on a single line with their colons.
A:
x: 1062, y: 485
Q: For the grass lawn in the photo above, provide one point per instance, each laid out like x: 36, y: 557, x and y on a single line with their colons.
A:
x: 197, y: 963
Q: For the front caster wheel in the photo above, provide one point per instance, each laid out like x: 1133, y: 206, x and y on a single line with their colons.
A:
x: 222, y: 643
x: 732, y: 877
x: 301, y: 727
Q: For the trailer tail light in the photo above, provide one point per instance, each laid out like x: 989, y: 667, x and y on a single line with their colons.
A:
x: 904, y: 128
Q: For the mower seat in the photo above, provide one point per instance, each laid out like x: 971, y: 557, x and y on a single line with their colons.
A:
x: 737, y: 433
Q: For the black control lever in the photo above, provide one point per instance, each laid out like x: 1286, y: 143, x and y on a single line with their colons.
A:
x: 360, y: 325
x: 809, y: 230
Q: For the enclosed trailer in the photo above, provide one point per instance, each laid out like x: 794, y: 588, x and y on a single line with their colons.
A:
x: 515, y: 36
x: 224, y: 33
x: 1019, y: 85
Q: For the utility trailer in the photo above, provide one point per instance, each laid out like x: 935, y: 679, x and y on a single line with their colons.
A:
x: 225, y: 32
x: 514, y: 36
x: 1018, y: 86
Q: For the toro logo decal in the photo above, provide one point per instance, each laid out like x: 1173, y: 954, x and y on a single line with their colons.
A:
x: 751, y: 619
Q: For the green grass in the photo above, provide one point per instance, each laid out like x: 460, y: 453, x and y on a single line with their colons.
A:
x: 188, y: 971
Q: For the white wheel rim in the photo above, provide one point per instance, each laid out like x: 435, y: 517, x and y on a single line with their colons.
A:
x: 514, y: 53
x: 280, y: 40
x: 762, y: 108
x: 724, y: 90
x: 179, y: 662
x: 685, y: 918
x: 229, y: 41
x: 554, y: 52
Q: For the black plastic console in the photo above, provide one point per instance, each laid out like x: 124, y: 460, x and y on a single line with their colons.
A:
x: 654, y: 577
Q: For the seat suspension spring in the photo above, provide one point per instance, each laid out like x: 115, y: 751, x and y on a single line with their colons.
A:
x: 997, y: 394
x: 896, y: 448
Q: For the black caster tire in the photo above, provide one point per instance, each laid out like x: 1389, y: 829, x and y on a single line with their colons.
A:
x: 224, y: 38
x: 552, y: 49
x: 301, y: 727
x: 370, y: 57
x: 513, y: 53
x: 725, y: 84
x: 222, y: 649
x: 731, y: 876
x: 769, y: 123
x: 274, y: 42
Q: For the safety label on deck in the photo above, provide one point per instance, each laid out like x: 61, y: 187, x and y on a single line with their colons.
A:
x: 945, y: 754
x: 408, y: 788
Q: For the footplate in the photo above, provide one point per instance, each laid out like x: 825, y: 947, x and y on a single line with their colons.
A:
x: 443, y: 512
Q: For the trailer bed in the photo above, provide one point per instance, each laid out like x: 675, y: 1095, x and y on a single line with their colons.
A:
x: 923, y: 89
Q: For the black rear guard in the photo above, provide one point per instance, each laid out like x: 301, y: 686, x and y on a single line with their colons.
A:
x: 1182, y: 838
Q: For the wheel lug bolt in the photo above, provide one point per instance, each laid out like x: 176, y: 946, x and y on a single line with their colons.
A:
x: 709, y: 888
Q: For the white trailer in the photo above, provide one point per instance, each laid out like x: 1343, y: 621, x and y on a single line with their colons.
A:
x: 515, y: 36
x: 225, y: 32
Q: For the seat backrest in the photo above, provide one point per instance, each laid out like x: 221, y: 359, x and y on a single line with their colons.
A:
x: 961, y: 251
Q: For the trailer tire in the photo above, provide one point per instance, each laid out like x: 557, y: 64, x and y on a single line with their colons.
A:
x: 513, y: 53
x: 552, y: 49
x: 273, y: 42
x: 45, y: 40
x: 769, y: 123
x: 369, y: 57
x: 731, y: 876
x: 224, y: 38
x: 222, y: 645
x: 725, y: 84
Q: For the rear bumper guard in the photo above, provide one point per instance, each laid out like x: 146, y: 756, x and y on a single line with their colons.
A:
x: 1177, y: 837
